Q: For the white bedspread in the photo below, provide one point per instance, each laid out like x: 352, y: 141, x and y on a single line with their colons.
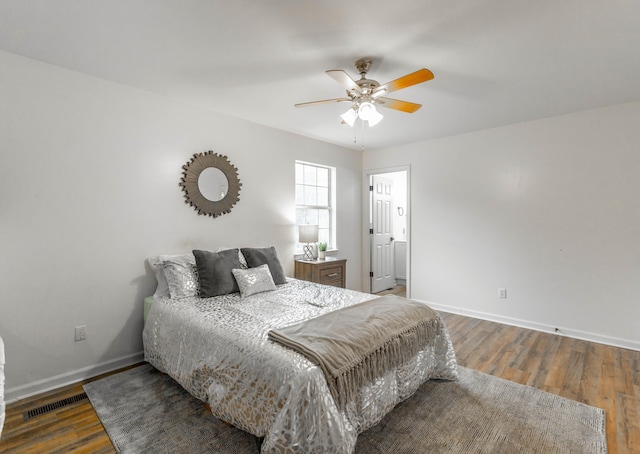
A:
x: 218, y: 350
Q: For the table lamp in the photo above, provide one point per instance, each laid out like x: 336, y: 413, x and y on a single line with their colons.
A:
x: 308, y: 234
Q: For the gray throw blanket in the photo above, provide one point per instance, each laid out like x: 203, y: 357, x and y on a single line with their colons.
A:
x: 356, y: 344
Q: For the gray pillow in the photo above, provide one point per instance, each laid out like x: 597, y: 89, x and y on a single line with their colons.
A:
x: 254, y: 280
x: 261, y: 256
x: 214, y: 272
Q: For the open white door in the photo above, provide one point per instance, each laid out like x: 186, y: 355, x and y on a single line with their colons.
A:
x: 381, y: 235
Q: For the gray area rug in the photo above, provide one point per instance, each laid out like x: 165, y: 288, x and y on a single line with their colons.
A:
x: 144, y: 411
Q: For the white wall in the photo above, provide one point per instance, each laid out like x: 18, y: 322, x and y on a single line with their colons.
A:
x: 546, y: 209
x: 89, y: 174
x: 399, y: 198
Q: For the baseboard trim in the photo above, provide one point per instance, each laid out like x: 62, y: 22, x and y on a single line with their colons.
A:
x: 68, y: 378
x: 559, y: 330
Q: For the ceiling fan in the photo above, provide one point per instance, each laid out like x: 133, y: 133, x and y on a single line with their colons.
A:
x: 365, y: 94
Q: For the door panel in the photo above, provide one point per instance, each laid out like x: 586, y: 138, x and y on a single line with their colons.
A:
x: 382, y: 219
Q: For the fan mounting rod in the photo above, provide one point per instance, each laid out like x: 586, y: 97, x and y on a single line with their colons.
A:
x: 363, y: 66
x: 366, y: 85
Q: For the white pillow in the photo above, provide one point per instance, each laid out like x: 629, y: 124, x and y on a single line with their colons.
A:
x: 254, y: 280
x: 157, y: 264
x: 182, y: 279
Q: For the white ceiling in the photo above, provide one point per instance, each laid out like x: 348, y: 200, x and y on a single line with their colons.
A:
x: 495, y: 62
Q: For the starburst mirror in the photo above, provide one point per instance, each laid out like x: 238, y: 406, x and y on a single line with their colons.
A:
x: 210, y: 184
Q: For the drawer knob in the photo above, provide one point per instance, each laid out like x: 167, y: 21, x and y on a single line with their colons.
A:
x: 332, y: 274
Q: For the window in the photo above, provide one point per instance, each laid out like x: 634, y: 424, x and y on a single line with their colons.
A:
x: 314, y: 200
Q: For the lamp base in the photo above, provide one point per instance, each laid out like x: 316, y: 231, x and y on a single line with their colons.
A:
x: 308, y: 252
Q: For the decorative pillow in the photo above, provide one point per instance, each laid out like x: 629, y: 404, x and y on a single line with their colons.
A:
x: 157, y: 266
x: 254, y: 280
x: 214, y: 272
x: 182, y: 279
x: 256, y: 257
x: 243, y: 261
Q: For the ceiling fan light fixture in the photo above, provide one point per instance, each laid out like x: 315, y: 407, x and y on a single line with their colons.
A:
x: 375, y: 117
x: 349, y: 116
x: 367, y: 112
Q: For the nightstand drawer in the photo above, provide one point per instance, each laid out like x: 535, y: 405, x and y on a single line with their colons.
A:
x: 331, y: 275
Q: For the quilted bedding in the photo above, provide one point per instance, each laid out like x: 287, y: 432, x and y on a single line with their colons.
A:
x: 218, y: 350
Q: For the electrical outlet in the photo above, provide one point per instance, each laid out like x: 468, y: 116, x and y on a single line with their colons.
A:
x: 81, y: 333
x: 502, y: 293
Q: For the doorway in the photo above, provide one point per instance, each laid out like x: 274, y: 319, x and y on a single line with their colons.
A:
x: 386, y: 244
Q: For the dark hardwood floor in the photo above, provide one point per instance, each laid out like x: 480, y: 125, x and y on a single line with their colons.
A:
x: 595, y: 374
x: 398, y: 290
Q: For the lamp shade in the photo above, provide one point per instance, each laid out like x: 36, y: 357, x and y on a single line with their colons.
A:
x: 368, y: 112
x: 374, y: 117
x: 308, y: 233
x: 365, y: 110
x: 349, y: 116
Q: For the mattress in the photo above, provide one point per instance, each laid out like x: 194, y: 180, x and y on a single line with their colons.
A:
x: 218, y: 350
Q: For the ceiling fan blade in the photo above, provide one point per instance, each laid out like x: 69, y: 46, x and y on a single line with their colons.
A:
x: 417, y: 77
x: 324, y: 101
x: 404, y: 106
x: 343, y: 79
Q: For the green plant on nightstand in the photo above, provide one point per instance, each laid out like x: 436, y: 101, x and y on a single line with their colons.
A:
x: 322, y: 250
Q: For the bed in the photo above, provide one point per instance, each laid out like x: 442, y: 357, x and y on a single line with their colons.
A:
x: 218, y: 349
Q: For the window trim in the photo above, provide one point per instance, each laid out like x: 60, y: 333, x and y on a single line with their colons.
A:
x: 330, y: 207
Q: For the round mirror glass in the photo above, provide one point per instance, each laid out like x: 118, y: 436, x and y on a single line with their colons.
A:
x: 213, y: 184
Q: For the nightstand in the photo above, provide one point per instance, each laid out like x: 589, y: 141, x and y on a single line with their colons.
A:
x: 330, y: 271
